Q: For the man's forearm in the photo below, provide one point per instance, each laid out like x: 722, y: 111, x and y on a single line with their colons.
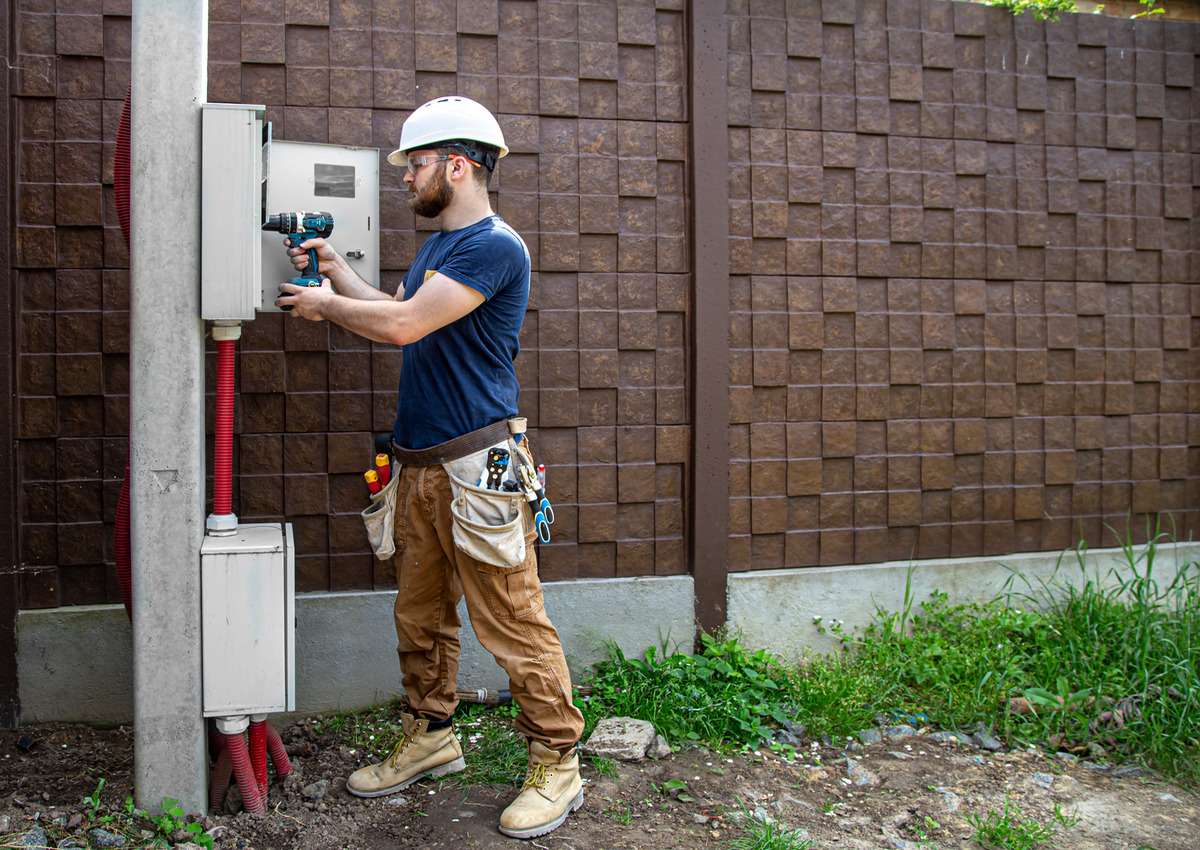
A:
x: 379, y: 322
x: 347, y: 282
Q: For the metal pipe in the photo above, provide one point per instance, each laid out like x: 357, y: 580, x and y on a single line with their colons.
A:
x: 166, y: 376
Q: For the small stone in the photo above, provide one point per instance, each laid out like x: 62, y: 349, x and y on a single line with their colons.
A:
x: 623, y: 738
x: 859, y: 775
x: 1099, y: 768
x: 68, y: 843
x: 896, y: 754
x: 985, y: 741
x: 950, y: 800
x: 396, y: 800
x: 1067, y: 758
x: 104, y: 838
x: 660, y: 749
x: 815, y: 774
x: 854, y: 747
x: 35, y: 837
x: 943, y: 737
x: 315, y: 790
x: 894, y: 733
x: 75, y: 821
x: 1096, y: 751
x: 869, y: 736
x: 5, y: 822
x: 1128, y: 771
x: 1046, y: 780
x: 702, y: 820
x: 1168, y: 798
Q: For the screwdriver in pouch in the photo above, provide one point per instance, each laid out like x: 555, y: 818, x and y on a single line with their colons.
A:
x: 372, y: 479
x: 383, y: 468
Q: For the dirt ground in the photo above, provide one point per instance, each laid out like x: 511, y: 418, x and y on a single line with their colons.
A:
x: 924, y: 792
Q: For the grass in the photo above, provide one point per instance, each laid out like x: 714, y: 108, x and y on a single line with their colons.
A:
x: 1058, y: 663
x: 766, y: 834
x: 1010, y: 829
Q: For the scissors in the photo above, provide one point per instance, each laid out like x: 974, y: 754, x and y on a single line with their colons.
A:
x: 543, y: 512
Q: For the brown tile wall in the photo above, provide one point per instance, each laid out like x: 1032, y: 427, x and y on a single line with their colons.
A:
x: 592, y: 98
x: 965, y: 317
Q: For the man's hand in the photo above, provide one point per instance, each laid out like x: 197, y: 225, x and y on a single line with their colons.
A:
x: 307, y: 302
x: 328, y: 259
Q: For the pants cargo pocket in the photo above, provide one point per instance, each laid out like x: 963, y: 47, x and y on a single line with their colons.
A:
x: 513, y: 593
x: 379, y: 518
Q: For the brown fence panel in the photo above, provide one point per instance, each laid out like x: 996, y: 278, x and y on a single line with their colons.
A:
x: 593, y: 99
x: 964, y: 302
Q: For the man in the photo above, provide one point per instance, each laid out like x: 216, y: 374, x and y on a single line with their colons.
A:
x: 458, y: 317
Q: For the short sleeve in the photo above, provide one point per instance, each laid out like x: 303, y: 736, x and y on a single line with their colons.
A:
x: 486, y: 262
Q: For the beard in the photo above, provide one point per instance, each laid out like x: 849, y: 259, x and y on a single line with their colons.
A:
x: 434, y: 198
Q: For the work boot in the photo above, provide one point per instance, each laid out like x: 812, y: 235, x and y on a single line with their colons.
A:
x: 419, y: 753
x: 552, y: 791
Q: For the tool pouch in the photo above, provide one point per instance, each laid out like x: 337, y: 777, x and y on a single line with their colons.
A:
x: 489, y: 525
x: 379, y: 517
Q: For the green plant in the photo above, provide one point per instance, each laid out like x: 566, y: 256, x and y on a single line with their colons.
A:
x: 603, y: 766
x: 621, y: 813
x: 1149, y: 9
x: 1043, y: 10
x: 173, y: 819
x: 1010, y: 829
x: 766, y: 834
x: 93, y: 801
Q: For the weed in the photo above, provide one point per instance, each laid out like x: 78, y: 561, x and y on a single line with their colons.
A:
x: 622, y: 813
x: 495, y: 753
x: 603, y: 766
x: 1108, y: 659
x: 766, y: 834
x: 1011, y: 830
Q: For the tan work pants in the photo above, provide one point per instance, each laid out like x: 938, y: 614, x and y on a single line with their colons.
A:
x: 505, y: 606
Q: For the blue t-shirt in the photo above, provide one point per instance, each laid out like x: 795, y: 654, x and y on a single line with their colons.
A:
x: 461, y: 377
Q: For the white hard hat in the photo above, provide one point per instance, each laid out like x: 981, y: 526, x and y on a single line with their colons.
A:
x: 447, y: 119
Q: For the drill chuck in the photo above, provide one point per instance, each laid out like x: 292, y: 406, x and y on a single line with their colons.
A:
x: 311, y: 224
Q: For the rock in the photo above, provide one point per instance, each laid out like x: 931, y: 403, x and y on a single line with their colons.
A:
x: 896, y: 754
x: 814, y: 774
x: 75, y: 821
x: 950, y: 800
x: 854, y: 747
x: 623, y: 738
x: 104, y: 838
x: 659, y: 749
x: 1128, y: 771
x: 702, y: 820
x: 895, y: 733
x: 1091, y: 765
x: 859, y: 775
x: 5, y: 822
x: 949, y: 737
x: 1066, y: 758
x: 396, y: 800
x: 68, y: 843
x: 986, y: 742
x: 1168, y: 798
x: 1045, y: 780
x: 1096, y: 752
x: 869, y: 736
x: 35, y: 837
x: 315, y: 790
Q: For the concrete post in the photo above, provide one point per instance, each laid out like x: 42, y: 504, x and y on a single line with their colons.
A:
x: 166, y: 377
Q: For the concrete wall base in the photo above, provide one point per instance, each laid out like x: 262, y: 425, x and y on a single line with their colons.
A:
x: 775, y: 609
x: 74, y: 664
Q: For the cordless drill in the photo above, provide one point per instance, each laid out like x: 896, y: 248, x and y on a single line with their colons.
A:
x: 300, y: 227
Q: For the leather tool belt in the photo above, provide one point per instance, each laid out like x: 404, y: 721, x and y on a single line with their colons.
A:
x: 452, y: 450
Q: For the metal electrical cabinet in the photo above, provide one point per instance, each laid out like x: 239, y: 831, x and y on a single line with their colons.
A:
x: 234, y: 137
x: 248, y: 616
x: 337, y: 179
x: 246, y: 176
